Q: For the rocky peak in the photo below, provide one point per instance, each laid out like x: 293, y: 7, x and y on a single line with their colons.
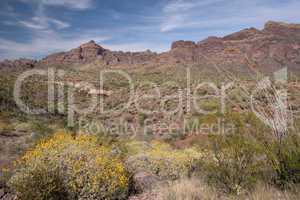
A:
x: 90, y: 50
x: 273, y: 25
x: 91, y: 45
x: 86, y: 52
x: 210, y: 39
x: 244, y: 34
x: 282, y: 29
x: 181, y: 44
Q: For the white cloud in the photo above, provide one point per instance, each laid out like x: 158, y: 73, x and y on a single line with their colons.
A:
x: 178, y: 5
x: 172, y: 22
x: 40, y: 21
x: 184, y: 5
x: 32, y: 25
x: 71, y: 4
x: 76, y: 4
x: 45, y: 34
x: 46, y: 42
x: 60, y: 24
x: 43, y: 22
x: 179, y: 14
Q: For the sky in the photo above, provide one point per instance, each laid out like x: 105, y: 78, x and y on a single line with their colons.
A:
x: 36, y: 28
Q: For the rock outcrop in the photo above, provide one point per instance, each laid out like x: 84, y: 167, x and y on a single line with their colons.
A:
x: 282, y: 29
x: 83, y: 54
x: 128, y: 58
x: 91, y: 51
x: 144, y: 181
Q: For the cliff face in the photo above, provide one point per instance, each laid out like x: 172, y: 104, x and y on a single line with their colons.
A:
x: 277, y: 45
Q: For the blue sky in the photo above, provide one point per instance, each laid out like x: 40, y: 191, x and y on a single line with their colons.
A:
x: 35, y: 28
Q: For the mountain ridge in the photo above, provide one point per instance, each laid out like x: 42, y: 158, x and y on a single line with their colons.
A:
x: 276, y: 45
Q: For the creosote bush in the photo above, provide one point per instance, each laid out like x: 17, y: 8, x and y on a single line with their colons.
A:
x: 284, y: 158
x: 66, y: 167
x: 235, y: 164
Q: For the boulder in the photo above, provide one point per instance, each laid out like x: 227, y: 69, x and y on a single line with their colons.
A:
x: 145, y: 181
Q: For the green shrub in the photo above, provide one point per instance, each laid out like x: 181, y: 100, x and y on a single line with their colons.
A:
x: 7, y: 102
x: 65, y: 167
x: 40, y: 181
x: 41, y: 130
x: 284, y: 158
x: 5, y: 174
x: 234, y: 164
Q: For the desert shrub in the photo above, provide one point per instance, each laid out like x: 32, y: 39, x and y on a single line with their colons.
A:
x: 7, y: 102
x: 5, y: 174
x: 69, y: 167
x: 209, y: 106
x: 5, y: 126
x: 235, y: 164
x: 284, y: 157
x: 237, y: 120
x: 142, y: 118
x: 164, y: 161
x: 40, y: 129
x: 106, y: 139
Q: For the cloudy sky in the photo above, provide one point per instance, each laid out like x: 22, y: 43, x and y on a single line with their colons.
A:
x: 35, y: 28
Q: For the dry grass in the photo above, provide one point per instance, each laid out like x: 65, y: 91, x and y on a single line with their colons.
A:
x: 187, y: 189
x: 265, y: 192
x: 195, y: 189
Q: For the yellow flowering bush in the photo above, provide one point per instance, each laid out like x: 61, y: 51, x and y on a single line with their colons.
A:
x: 64, y: 167
x: 162, y: 160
